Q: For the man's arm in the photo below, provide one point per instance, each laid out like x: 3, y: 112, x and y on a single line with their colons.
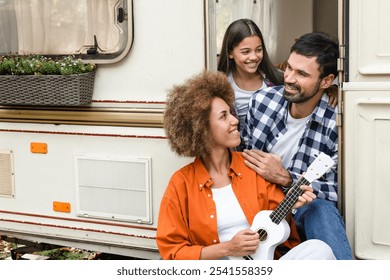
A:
x: 269, y: 166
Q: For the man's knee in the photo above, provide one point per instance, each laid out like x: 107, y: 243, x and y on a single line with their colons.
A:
x: 319, y: 208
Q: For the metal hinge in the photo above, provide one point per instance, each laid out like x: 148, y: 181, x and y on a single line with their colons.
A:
x: 340, y: 69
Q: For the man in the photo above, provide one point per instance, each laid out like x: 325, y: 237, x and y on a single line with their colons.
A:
x: 287, y: 126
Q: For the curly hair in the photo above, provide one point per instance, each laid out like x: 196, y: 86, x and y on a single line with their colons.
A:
x: 186, y: 117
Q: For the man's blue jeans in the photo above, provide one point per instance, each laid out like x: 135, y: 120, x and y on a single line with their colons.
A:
x: 321, y: 220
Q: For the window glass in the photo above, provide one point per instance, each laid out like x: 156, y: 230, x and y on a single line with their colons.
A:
x: 93, y: 29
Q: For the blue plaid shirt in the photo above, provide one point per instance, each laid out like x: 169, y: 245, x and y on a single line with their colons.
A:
x: 266, y: 121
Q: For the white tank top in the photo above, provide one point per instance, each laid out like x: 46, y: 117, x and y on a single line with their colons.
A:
x: 230, y: 217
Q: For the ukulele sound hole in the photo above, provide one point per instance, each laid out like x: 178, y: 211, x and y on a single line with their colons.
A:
x: 263, y: 235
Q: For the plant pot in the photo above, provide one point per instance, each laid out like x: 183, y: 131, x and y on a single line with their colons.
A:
x: 47, y: 90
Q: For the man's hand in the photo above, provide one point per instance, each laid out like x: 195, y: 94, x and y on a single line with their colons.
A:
x: 268, y: 166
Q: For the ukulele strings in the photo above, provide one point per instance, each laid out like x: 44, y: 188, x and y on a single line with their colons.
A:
x: 281, y: 211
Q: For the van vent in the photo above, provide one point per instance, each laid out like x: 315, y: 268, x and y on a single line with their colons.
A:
x: 6, y: 173
x: 113, y: 187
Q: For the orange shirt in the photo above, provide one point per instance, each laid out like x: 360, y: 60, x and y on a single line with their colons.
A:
x: 188, y: 220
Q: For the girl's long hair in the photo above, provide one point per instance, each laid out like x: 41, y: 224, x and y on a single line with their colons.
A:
x: 235, y: 33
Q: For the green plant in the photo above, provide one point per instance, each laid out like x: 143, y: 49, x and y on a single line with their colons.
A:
x: 5, y: 249
x: 64, y: 254
x: 41, y: 65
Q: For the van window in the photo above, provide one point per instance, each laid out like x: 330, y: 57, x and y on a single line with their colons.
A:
x: 91, y: 29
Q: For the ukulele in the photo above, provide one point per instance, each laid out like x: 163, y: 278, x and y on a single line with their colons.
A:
x: 271, y: 225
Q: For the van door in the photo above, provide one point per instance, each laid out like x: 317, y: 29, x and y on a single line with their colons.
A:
x: 366, y: 127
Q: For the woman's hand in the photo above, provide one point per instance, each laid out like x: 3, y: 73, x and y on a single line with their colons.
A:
x: 306, y: 197
x: 245, y: 242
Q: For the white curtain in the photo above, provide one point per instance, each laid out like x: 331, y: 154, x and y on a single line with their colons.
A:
x: 231, y: 10
x: 101, y: 16
x: 61, y: 26
x: 267, y: 22
x: 8, y: 40
x: 262, y: 12
x: 246, y: 9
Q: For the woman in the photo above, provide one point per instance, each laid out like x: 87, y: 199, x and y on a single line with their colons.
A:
x: 245, y: 61
x: 209, y: 205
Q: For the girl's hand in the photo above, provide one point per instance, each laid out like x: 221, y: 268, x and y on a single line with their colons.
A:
x: 332, y: 92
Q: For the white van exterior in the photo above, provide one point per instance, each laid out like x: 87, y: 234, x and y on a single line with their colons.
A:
x: 100, y: 183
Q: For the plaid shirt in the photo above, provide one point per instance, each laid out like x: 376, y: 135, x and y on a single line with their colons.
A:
x: 266, y: 120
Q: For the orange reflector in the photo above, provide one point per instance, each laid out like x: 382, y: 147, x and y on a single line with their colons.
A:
x: 61, y: 206
x: 39, y: 148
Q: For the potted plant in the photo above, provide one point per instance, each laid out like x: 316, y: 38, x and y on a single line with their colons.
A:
x: 44, y: 81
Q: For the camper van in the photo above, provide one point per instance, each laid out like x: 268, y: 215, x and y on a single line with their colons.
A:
x: 92, y: 175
